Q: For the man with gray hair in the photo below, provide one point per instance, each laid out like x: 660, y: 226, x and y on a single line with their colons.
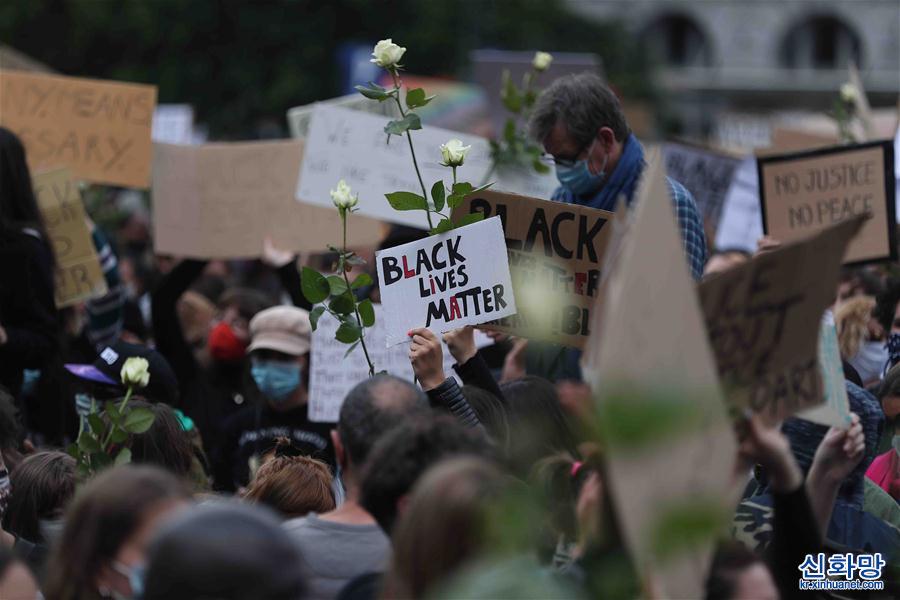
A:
x: 581, y: 125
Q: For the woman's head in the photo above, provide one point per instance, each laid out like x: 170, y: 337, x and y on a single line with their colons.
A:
x: 856, y: 324
x: 491, y: 413
x: 537, y: 425
x: 292, y: 485
x: 18, y: 207
x: 42, y: 486
x: 107, y: 529
x: 166, y: 444
x: 229, y: 332
x: 224, y: 551
x: 444, y: 526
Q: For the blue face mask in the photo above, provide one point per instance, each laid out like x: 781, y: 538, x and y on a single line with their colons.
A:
x: 578, y: 178
x: 276, y: 380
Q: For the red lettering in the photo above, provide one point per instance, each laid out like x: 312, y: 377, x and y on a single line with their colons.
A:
x: 407, y: 272
x: 454, y: 309
x: 580, y: 279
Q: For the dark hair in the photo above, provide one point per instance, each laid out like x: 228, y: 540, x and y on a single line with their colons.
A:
x: 166, y: 444
x: 226, y: 551
x: 890, y: 385
x: 537, y: 425
x: 583, y: 103
x: 247, y: 301
x: 11, y: 430
x: 491, y: 413
x: 444, y: 526
x: 42, y: 486
x: 107, y: 511
x: 18, y: 205
x: 886, y: 304
x: 373, y: 407
x: 404, y: 453
x: 293, y: 485
x: 730, y: 560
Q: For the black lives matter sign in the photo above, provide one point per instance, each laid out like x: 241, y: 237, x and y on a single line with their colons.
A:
x: 804, y: 193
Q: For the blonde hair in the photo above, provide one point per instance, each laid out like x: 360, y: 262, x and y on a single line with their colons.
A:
x: 852, y: 321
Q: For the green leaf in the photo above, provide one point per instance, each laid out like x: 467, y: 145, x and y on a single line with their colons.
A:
x: 88, y: 442
x: 123, y: 457
x: 400, y: 126
x: 373, y: 91
x: 139, y: 420
x: 406, y: 201
x: 481, y: 188
x: 443, y: 226
x: 336, y: 285
x: 72, y: 450
x: 347, y: 333
x: 470, y: 218
x: 539, y: 166
x: 362, y: 280
x: 437, y: 195
x: 366, y: 312
x: 351, y: 348
x: 509, y: 94
x: 96, y: 423
x: 99, y: 460
x: 118, y: 436
x: 416, y: 98
x: 343, y: 304
x: 509, y: 131
x: 313, y: 285
x: 462, y: 188
x: 314, y: 316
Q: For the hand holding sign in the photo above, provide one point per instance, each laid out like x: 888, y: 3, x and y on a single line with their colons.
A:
x: 426, y: 358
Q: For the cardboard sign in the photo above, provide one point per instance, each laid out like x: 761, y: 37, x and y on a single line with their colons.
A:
x: 835, y: 410
x: 763, y: 321
x: 804, y: 193
x: 351, y: 145
x: 668, y: 441
x: 78, y: 273
x: 706, y: 174
x: 99, y: 129
x: 333, y: 372
x: 446, y: 281
x: 555, y: 253
x: 223, y: 200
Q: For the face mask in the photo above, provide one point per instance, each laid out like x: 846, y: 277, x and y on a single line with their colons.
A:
x: 50, y: 529
x: 224, y: 345
x: 869, y: 361
x: 893, y: 349
x: 578, y: 178
x: 135, y: 575
x: 276, y: 380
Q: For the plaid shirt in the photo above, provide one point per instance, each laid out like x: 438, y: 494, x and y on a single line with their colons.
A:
x: 692, y: 235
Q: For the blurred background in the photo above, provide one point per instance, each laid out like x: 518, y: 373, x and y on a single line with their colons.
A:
x: 714, y: 70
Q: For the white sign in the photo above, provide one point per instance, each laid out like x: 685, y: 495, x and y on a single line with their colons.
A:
x: 173, y: 124
x: 299, y: 117
x: 446, y: 281
x: 740, y: 226
x: 352, y: 145
x: 333, y: 373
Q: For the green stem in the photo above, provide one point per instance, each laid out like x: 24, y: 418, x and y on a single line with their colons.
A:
x: 412, y: 150
x: 362, y: 330
x: 112, y: 426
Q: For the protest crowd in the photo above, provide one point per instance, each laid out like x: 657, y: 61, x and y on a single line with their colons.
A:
x: 378, y: 412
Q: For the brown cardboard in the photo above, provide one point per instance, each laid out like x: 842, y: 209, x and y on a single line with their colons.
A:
x: 78, y: 273
x: 763, y: 320
x: 804, y: 193
x: 99, y: 129
x: 555, y: 255
x: 223, y: 200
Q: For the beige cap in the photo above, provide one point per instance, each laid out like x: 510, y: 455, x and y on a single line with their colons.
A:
x: 281, y: 328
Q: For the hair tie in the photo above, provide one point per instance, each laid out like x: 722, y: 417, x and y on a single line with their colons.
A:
x: 576, y: 466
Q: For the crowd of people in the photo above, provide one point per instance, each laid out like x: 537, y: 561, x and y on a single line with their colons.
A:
x: 489, y: 484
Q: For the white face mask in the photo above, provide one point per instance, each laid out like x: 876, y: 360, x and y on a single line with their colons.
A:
x: 869, y: 361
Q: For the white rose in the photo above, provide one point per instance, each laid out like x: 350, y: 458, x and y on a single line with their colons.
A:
x: 541, y: 61
x: 849, y: 93
x: 454, y: 153
x: 387, y: 54
x: 343, y: 197
x: 135, y: 372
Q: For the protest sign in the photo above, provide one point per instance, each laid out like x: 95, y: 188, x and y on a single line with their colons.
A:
x: 333, y: 372
x: 351, y: 145
x: 78, y: 274
x: 740, y: 225
x: 805, y: 192
x: 99, y: 129
x: 446, y: 281
x: 835, y: 410
x: 555, y: 253
x: 706, y: 174
x: 763, y: 321
x: 300, y: 117
x: 224, y: 200
x: 660, y: 411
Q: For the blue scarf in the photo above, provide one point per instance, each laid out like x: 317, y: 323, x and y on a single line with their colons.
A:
x: 621, y: 182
